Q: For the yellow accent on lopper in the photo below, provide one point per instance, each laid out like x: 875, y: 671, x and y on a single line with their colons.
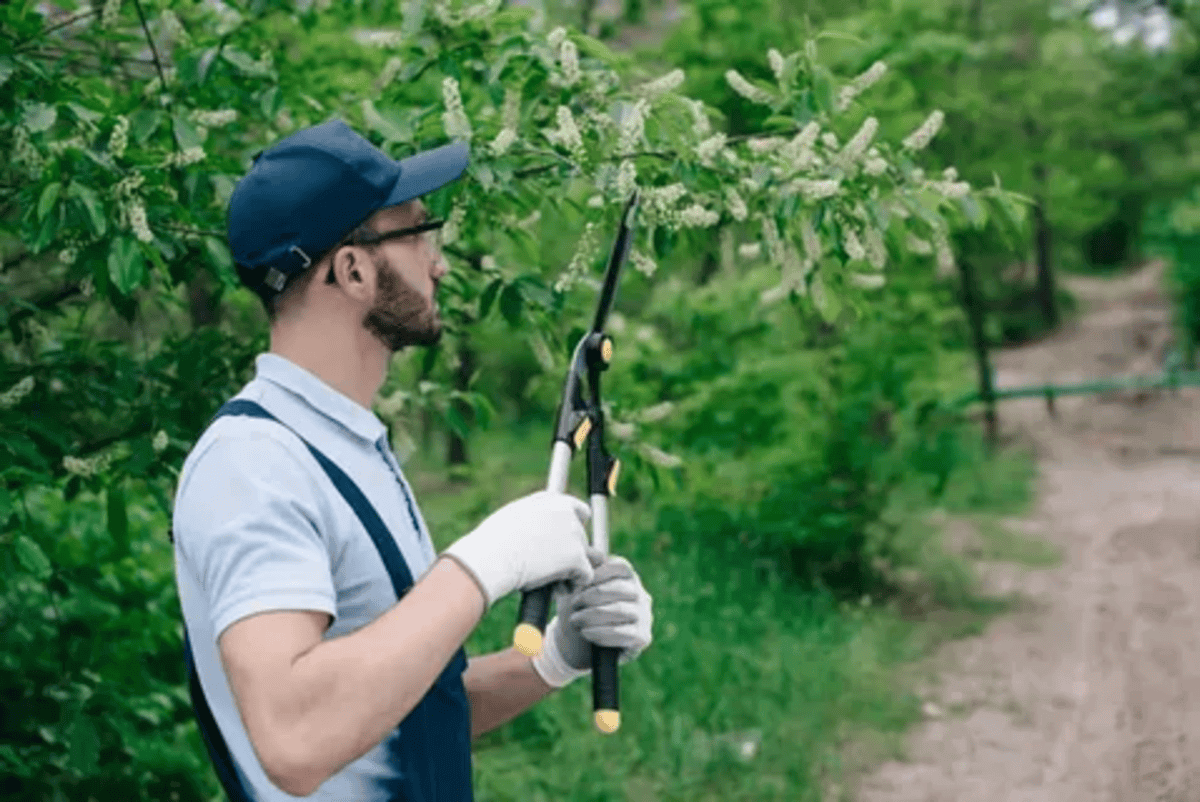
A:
x: 582, y: 432
x: 608, y: 721
x: 527, y: 640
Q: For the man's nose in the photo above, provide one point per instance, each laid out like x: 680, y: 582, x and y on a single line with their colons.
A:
x: 440, y: 266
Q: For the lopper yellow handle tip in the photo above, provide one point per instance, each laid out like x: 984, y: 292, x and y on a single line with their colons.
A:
x: 608, y: 721
x: 527, y: 640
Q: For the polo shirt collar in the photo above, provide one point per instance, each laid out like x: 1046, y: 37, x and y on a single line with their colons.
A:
x: 320, y: 396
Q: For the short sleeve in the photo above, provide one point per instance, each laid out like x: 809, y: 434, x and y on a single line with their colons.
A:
x: 247, y: 522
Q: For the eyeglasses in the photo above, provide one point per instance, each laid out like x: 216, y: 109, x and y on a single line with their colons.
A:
x: 429, y: 232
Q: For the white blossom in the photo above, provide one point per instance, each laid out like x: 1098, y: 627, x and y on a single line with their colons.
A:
x: 454, y: 119
x: 919, y: 138
x: 659, y: 86
x: 945, y: 255
x: 808, y: 235
x: 918, y: 246
x: 86, y: 467
x: 659, y: 457
x: 557, y: 37
x: 735, y: 204
x: 643, y: 263
x: 160, y: 442
x: 774, y: 243
x: 870, y: 281
x: 815, y: 190
x: 829, y: 139
x: 626, y: 178
x: 569, y: 62
x: 875, y: 165
x: 950, y: 174
x: 390, y: 71
x: 503, y: 141
x: 760, y: 145
x: 876, y: 249
x: 584, y: 252
x: 858, y: 143
x: 567, y: 135
x: 510, y: 115
x: 860, y: 84
x: 633, y: 126
x: 68, y: 255
x: 214, y: 119
x: 137, y: 221
x: 453, y: 225
x: 119, y: 138
x: 746, y: 89
x: 15, y: 394
x: 776, y: 60
x: 710, y: 147
x: 750, y: 250
x: 851, y: 243
x: 109, y: 16
x: 700, y: 123
x: 696, y: 216
x: 951, y: 189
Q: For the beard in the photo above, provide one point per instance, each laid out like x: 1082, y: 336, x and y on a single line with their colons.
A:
x: 401, y: 316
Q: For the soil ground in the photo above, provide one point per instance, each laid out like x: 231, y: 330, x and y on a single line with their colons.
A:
x: 1090, y: 690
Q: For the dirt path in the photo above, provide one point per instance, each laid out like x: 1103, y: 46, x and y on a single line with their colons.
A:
x: 1092, y: 691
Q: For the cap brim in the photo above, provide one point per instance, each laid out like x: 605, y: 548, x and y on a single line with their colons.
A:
x: 425, y: 172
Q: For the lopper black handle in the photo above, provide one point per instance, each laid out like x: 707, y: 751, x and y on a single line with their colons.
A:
x: 531, y: 622
x: 606, y: 689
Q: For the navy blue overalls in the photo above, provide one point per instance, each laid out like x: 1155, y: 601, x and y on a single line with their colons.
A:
x: 433, y: 750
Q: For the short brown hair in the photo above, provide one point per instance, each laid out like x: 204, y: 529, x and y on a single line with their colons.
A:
x: 296, y: 286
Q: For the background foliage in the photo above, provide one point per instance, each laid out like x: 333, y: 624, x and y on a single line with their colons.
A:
x: 784, y: 340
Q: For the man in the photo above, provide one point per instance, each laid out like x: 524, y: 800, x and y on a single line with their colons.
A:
x: 323, y: 634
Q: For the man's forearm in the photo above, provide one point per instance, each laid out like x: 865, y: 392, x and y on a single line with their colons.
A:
x: 350, y: 692
x: 501, y: 686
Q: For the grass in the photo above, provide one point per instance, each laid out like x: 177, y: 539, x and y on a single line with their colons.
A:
x: 740, y: 654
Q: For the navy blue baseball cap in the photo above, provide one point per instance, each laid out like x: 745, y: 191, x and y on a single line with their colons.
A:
x: 306, y: 193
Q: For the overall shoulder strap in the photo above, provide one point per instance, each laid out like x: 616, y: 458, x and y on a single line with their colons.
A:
x: 397, y: 570
x: 389, y: 552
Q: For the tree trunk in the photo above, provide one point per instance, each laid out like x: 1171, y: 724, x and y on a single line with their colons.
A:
x: 974, y: 308
x: 1045, y: 270
x: 456, y: 447
x: 205, y: 311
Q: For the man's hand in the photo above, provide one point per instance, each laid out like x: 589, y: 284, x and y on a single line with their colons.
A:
x: 534, y: 541
x: 611, y: 610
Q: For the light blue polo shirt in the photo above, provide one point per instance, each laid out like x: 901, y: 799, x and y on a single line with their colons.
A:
x: 258, y: 527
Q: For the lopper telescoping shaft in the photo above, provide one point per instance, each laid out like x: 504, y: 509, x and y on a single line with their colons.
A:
x: 581, y: 421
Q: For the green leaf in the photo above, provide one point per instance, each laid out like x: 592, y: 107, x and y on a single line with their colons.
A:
x: 46, y: 235
x: 118, y: 519
x: 386, y: 123
x: 6, y: 69
x: 974, y: 211
x: 185, y: 133
x: 488, y: 296
x: 270, y: 102
x: 49, y: 198
x: 126, y: 265
x: 84, y: 748
x: 823, y: 89
x: 6, y: 505
x: 143, y: 123
x: 40, y: 117
x: 91, y: 204
x: 244, y: 62
x: 218, y: 254
x: 510, y: 304
x: 32, y: 558
x: 455, y: 421
x: 827, y: 304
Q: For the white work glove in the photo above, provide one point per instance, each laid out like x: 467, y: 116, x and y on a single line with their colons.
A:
x: 613, y: 609
x: 534, y: 541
